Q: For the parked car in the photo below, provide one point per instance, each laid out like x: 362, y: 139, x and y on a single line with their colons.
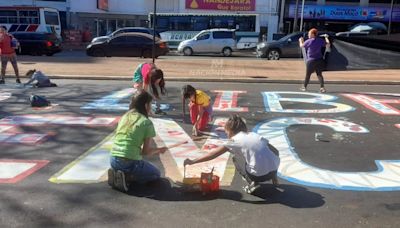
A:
x: 210, y: 41
x: 125, y: 30
x: 129, y: 45
x: 38, y: 43
x: 287, y: 46
x: 352, y: 34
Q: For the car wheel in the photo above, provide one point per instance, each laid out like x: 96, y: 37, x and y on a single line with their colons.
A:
x: 187, y: 51
x: 98, y: 53
x: 147, y: 54
x: 227, y: 52
x: 274, y: 54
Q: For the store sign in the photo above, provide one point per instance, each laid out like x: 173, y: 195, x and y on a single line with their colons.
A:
x: 346, y: 13
x: 228, y: 5
x: 102, y: 4
x: 178, y: 35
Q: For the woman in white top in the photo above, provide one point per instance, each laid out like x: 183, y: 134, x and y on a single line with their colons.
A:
x: 254, y: 158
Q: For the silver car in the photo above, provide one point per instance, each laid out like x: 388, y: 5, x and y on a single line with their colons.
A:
x: 210, y: 41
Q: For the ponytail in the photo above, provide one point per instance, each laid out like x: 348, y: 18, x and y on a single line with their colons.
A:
x: 236, y: 124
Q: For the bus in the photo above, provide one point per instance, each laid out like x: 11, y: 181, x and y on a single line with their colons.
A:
x: 30, y: 19
x: 175, y: 28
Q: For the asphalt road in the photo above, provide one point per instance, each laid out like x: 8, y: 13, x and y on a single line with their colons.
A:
x: 35, y: 202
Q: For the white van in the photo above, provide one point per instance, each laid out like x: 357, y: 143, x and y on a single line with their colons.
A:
x: 210, y: 41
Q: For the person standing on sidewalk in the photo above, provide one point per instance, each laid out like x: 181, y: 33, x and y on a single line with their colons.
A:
x: 148, y: 75
x: 314, y: 58
x: 7, y: 51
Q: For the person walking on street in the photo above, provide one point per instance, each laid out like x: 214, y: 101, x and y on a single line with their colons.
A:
x: 314, y: 58
x: 7, y: 51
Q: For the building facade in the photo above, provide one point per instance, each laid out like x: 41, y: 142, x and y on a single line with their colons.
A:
x: 339, y: 15
x: 104, y: 16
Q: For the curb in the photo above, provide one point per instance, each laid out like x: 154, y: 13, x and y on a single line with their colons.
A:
x: 230, y: 80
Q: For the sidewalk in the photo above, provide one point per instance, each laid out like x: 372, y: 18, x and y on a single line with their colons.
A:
x: 79, y: 66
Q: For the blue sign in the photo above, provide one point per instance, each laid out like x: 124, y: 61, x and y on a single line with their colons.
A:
x: 355, y: 13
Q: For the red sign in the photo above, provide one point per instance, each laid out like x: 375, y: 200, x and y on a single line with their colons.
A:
x: 102, y: 4
x: 228, y: 5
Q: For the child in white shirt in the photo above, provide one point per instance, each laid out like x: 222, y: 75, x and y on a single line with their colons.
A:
x: 254, y: 158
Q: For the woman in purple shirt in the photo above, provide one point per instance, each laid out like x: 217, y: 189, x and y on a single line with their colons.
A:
x: 314, y: 62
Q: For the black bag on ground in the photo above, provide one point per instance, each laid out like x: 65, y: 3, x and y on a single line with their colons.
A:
x: 39, y: 101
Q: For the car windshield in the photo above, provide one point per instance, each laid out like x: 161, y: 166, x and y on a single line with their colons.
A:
x: 291, y: 35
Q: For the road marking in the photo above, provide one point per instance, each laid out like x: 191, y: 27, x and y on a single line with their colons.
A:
x: 90, y: 167
x: 111, y: 102
x: 13, y: 171
x: 272, y: 102
x: 4, y: 96
x: 9, y: 133
x: 292, y: 168
x: 380, y: 106
x: 170, y: 133
x: 226, y: 101
x: 38, y: 120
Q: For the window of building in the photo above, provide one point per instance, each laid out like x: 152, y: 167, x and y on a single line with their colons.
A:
x: 180, y: 23
x: 246, y: 23
x: 381, y: 1
x: 224, y: 22
x: 200, y: 23
x: 343, y: 1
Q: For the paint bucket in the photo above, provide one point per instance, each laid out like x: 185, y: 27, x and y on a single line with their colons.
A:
x: 209, y: 183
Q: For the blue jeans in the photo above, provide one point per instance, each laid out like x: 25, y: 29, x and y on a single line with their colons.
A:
x: 143, y: 171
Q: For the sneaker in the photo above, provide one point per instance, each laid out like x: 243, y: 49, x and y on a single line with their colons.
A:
x: 111, y: 177
x: 251, y: 188
x: 2, y: 81
x: 322, y: 90
x: 303, y: 89
x: 120, y: 182
x: 18, y: 81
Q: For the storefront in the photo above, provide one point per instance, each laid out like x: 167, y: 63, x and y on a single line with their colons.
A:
x: 339, y: 18
x: 103, y: 24
x: 265, y: 22
x: 101, y: 17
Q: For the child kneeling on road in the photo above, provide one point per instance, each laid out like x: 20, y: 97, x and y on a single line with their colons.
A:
x: 254, y: 158
x: 42, y: 79
x: 132, y: 140
x: 200, y: 107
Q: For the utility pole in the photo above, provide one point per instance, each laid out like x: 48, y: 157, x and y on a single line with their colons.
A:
x: 154, y: 30
x: 390, y: 17
x: 296, y: 12
x: 302, y: 15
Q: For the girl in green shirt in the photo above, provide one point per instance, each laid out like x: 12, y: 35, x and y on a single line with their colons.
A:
x: 132, y: 141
